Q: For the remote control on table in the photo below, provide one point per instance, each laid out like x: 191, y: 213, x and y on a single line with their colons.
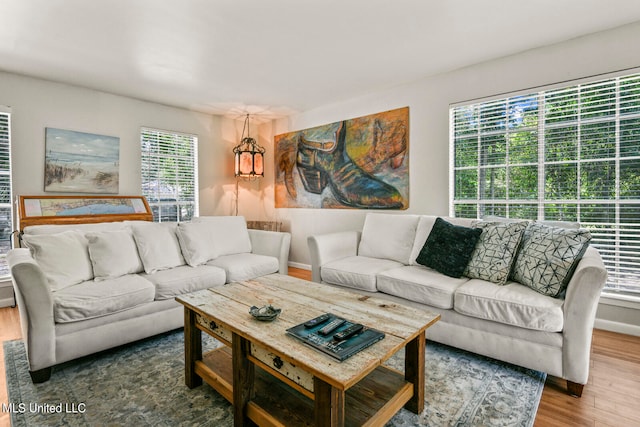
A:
x: 349, y: 332
x: 331, y: 326
x: 317, y: 321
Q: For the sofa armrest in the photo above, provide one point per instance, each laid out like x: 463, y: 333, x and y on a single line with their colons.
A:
x: 272, y: 243
x: 325, y: 248
x: 35, y: 304
x: 581, y: 303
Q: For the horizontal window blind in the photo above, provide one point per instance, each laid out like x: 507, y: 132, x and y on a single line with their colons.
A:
x: 5, y: 191
x: 169, y: 174
x: 569, y: 154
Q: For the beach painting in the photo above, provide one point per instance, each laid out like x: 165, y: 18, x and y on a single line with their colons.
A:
x: 79, y: 162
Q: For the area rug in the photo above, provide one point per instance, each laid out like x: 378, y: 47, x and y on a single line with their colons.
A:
x: 142, y: 384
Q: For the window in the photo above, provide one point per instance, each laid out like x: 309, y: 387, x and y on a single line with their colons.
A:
x: 170, y: 174
x: 571, y: 154
x: 5, y: 190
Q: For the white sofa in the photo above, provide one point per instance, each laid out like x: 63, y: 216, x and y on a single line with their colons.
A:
x: 510, y: 322
x: 85, y: 288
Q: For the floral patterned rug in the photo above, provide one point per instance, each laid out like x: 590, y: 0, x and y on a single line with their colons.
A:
x: 142, y: 384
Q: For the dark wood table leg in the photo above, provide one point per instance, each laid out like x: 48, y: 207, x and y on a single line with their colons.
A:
x: 243, y: 376
x: 329, y: 404
x: 414, y: 372
x: 192, y: 349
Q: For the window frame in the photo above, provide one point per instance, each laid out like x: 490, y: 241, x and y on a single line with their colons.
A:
x: 5, y: 113
x: 613, y: 290
x: 181, y: 204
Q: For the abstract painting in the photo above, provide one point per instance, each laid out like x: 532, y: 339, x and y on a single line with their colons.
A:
x: 360, y: 163
x: 79, y: 162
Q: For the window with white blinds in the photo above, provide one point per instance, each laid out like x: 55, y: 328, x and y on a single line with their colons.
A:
x: 568, y: 154
x: 5, y: 191
x: 169, y: 174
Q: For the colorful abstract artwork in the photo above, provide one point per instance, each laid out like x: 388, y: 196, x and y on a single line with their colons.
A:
x: 361, y: 163
x: 79, y: 162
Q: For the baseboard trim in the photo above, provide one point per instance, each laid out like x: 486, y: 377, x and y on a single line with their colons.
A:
x: 7, y: 302
x: 622, y: 328
x: 300, y: 265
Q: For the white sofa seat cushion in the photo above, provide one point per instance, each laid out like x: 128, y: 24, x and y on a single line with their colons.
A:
x: 512, y: 304
x: 357, y: 272
x: 91, y: 299
x: 388, y: 236
x: 246, y: 266
x: 184, y: 279
x: 420, y: 284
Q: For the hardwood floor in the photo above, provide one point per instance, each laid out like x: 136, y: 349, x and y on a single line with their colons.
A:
x: 610, y: 398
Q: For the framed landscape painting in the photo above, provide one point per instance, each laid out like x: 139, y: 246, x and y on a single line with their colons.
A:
x: 79, y: 162
x: 360, y: 163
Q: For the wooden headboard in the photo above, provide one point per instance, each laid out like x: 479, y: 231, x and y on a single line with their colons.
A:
x: 39, y: 210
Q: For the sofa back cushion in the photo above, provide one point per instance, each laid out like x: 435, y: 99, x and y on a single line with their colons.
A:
x: 230, y: 232
x: 388, y: 236
x: 113, y: 254
x: 63, y: 257
x: 82, y: 228
x: 157, y: 245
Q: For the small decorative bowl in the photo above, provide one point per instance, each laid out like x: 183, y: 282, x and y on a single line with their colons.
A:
x: 266, y: 313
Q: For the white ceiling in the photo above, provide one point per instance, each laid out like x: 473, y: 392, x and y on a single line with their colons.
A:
x: 277, y: 57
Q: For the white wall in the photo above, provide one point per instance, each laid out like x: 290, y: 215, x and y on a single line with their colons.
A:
x: 429, y: 100
x: 37, y: 104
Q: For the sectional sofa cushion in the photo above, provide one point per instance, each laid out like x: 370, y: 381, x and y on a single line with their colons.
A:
x: 448, y: 248
x: 157, y: 245
x: 196, y: 242
x: 388, y: 236
x: 63, y: 257
x: 548, y: 256
x: 420, y: 284
x: 184, y: 279
x: 231, y: 234
x: 495, y: 251
x: 511, y: 304
x: 113, y: 254
x: 357, y: 272
x: 92, y: 299
x: 246, y: 266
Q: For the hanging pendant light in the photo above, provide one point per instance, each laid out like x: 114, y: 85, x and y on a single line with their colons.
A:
x: 249, y: 156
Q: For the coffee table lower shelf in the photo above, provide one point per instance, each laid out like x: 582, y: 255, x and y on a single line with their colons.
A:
x: 372, y: 401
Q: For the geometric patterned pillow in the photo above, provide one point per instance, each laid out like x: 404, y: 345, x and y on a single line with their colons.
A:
x: 495, y: 252
x: 548, y: 256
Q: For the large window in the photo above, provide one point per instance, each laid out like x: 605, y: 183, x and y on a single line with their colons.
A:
x: 5, y: 190
x: 570, y: 153
x: 169, y: 174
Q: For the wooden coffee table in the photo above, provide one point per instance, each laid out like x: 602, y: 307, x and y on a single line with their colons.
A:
x: 274, y: 379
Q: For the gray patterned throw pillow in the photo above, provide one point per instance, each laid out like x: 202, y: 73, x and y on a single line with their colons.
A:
x: 548, y: 256
x: 495, y: 251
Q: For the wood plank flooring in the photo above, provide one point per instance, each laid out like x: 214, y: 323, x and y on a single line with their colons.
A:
x: 610, y: 399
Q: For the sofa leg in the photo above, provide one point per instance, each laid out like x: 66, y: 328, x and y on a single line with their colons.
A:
x: 41, y: 375
x: 574, y: 389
